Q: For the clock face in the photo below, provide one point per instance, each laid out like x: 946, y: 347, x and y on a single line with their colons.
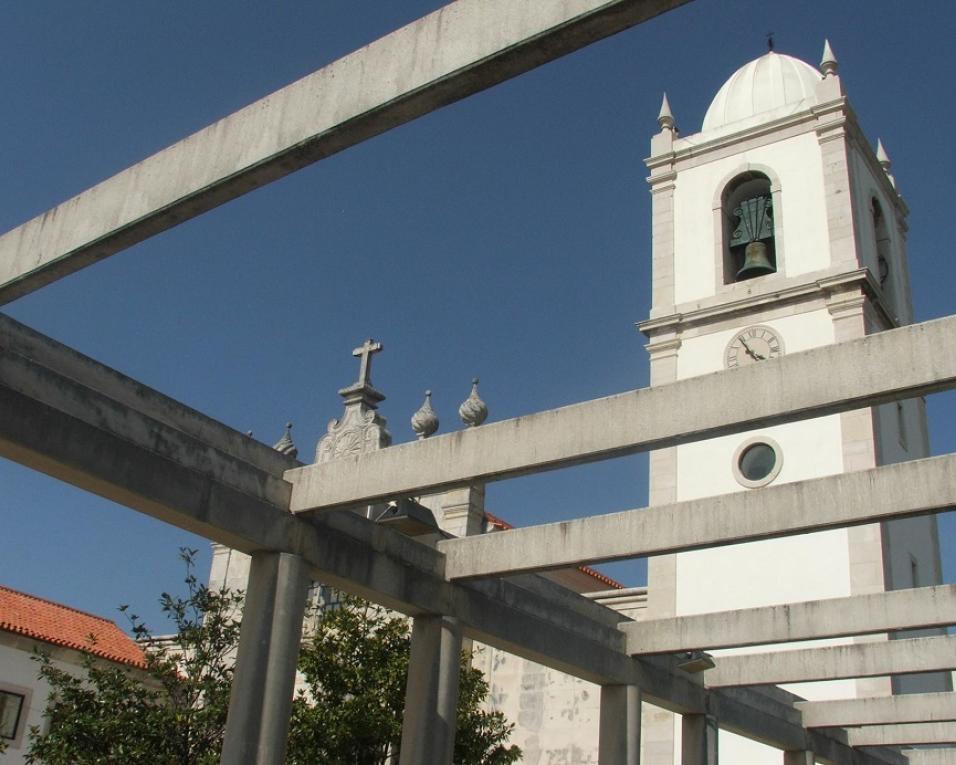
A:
x: 753, y: 344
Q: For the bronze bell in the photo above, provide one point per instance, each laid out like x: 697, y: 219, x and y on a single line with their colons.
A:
x: 756, y: 262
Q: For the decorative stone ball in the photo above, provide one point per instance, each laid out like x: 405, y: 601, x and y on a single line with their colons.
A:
x: 473, y: 411
x: 425, y: 421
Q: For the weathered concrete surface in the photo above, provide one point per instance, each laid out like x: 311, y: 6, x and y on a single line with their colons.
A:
x: 452, y: 53
x: 889, y: 657
x: 162, y: 464
x: 896, y: 735
x: 837, y: 617
x: 365, y: 559
x: 261, y: 700
x: 778, y: 390
x: 944, y: 756
x: 900, y: 490
x: 883, y: 710
x: 19, y: 340
x: 69, y: 383
x: 532, y: 620
x: 619, y: 741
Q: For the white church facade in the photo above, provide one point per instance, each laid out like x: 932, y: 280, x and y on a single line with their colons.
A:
x: 776, y: 228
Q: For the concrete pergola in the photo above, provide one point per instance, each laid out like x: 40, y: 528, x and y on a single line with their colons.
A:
x: 68, y: 416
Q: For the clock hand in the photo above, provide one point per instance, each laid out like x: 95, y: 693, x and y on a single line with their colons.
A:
x: 751, y: 352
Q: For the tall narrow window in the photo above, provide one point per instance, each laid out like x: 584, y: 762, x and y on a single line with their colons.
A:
x: 749, y: 228
x: 882, y: 235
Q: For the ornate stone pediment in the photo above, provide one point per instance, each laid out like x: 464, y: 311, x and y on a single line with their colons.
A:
x: 359, y: 430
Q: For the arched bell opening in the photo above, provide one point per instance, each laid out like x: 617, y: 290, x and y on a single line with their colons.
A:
x: 748, y: 212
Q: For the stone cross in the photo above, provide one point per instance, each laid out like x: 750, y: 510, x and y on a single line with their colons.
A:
x: 365, y: 353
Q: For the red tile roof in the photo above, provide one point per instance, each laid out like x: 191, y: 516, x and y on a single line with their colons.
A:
x: 503, y: 525
x: 60, y: 625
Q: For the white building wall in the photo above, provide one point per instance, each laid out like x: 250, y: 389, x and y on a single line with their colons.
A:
x: 556, y: 716
x: 797, y: 164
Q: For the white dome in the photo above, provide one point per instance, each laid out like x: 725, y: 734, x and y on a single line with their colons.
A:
x: 771, y: 81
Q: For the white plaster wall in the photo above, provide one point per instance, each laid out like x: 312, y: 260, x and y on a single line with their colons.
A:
x: 229, y: 568
x: 800, y: 332
x: 775, y: 571
x: 797, y: 163
x: 19, y: 671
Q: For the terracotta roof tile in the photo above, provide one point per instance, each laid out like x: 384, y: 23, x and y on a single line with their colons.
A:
x: 503, y: 525
x: 61, y: 625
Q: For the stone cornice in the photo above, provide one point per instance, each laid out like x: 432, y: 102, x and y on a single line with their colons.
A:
x: 827, y: 287
x: 687, y: 148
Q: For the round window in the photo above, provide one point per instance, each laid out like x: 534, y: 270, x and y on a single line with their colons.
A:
x: 757, y: 462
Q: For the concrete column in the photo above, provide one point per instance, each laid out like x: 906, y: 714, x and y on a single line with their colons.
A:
x: 798, y: 758
x: 620, y: 729
x: 261, y: 699
x: 431, y: 697
x: 698, y: 740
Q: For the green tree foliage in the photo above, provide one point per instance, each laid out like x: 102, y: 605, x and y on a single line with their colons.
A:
x: 355, y: 667
x: 171, y: 713
x: 174, y: 711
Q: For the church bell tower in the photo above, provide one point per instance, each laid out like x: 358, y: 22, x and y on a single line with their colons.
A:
x: 778, y: 228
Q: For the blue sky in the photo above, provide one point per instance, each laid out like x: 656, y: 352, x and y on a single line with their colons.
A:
x: 506, y: 236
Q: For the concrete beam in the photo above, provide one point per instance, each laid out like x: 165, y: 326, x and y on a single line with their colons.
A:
x: 21, y: 341
x: 529, y: 617
x: 112, y: 449
x: 903, y: 735
x: 779, y: 390
x: 918, y: 608
x: 893, y: 491
x: 885, y: 657
x: 371, y: 561
x: 461, y: 49
x: 768, y: 715
x: 943, y: 756
x: 883, y: 710
x: 198, y: 447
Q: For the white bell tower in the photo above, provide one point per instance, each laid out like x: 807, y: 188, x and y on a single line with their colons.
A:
x: 777, y: 228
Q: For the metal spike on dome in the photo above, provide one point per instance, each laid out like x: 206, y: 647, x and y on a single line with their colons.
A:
x: 666, y: 118
x: 425, y: 421
x: 285, y: 444
x: 473, y: 411
x: 828, y: 64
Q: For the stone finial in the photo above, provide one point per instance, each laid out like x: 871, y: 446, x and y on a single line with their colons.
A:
x: 884, y: 159
x: 285, y: 444
x: 425, y: 421
x: 473, y: 411
x: 828, y: 64
x: 666, y: 118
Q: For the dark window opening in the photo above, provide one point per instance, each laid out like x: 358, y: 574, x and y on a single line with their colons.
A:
x: 11, y: 707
